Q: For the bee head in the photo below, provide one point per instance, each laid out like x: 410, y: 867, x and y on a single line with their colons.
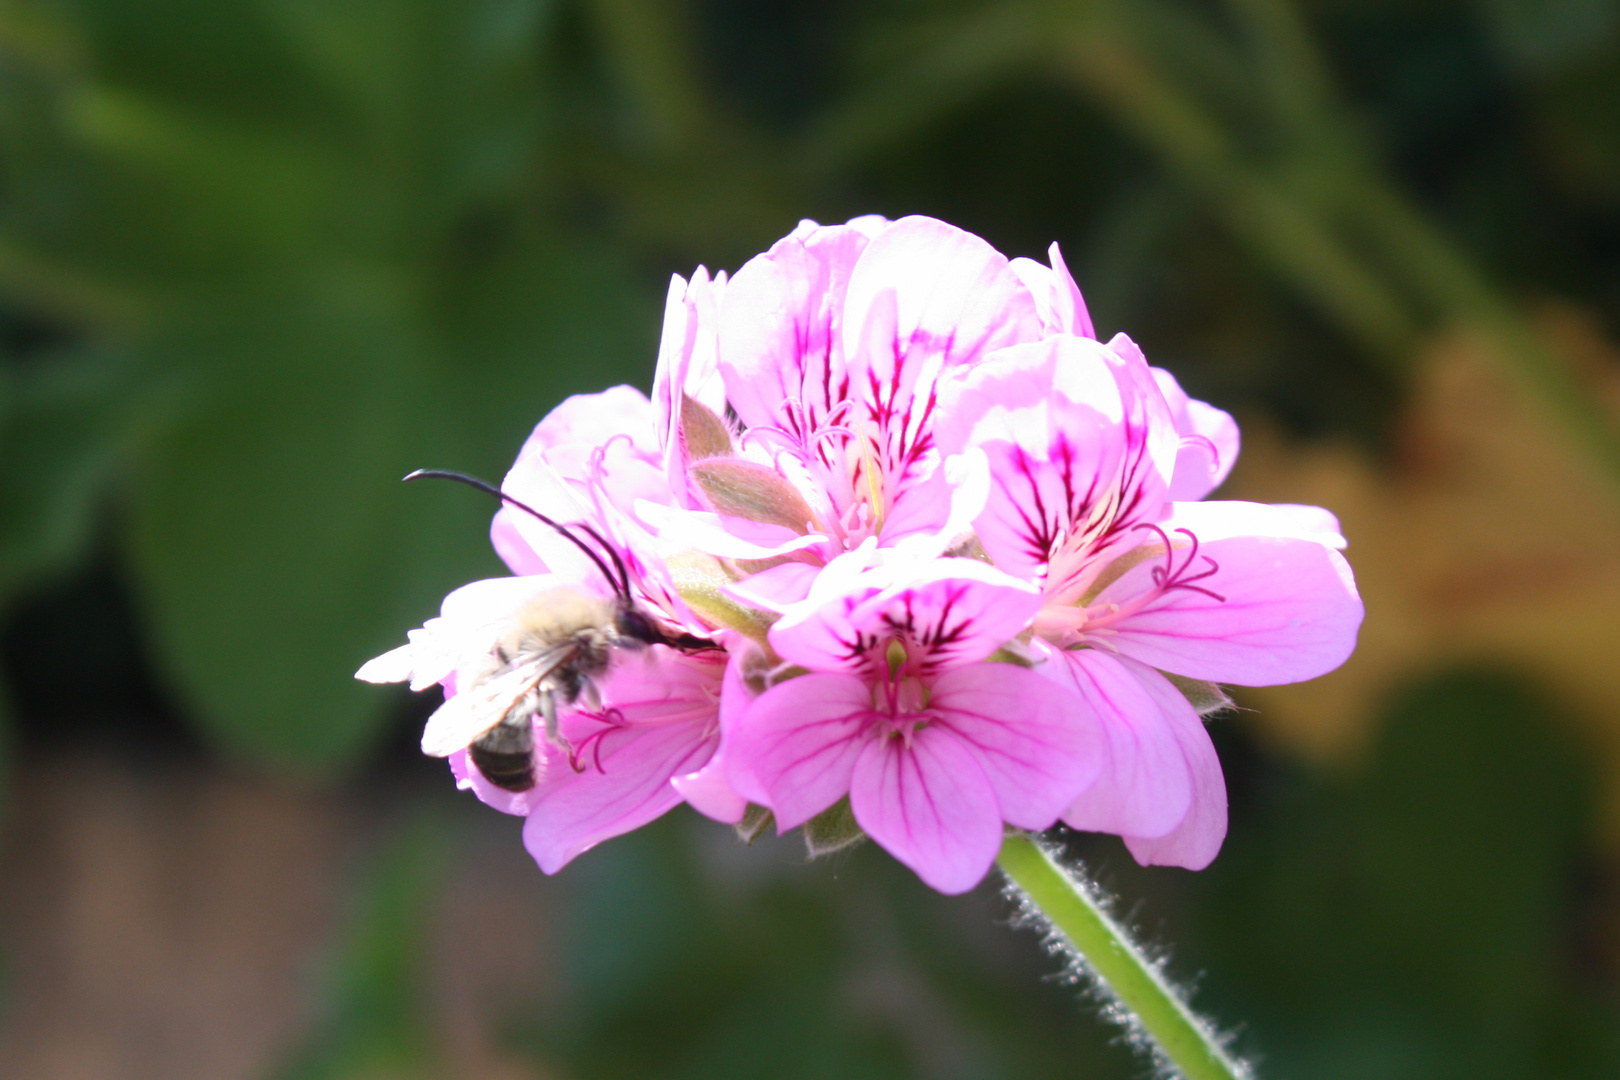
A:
x: 632, y: 625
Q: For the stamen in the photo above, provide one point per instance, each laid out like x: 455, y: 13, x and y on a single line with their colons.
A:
x: 869, y: 466
x: 1170, y: 576
x: 612, y: 720
x: 1187, y: 582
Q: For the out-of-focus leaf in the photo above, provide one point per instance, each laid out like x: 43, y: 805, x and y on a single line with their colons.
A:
x: 65, y: 428
x: 1539, y: 34
x: 274, y: 546
x: 350, y: 278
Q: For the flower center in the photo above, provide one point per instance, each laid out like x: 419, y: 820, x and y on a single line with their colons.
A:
x: 1070, y: 624
x: 900, y: 708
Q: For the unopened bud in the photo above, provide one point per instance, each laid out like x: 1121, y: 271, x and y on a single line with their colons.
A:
x: 749, y: 490
x: 704, y: 434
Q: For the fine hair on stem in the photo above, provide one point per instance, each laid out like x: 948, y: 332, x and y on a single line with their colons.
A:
x: 1099, y: 952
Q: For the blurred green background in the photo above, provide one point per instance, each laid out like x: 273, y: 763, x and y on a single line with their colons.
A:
x: 259, y: 258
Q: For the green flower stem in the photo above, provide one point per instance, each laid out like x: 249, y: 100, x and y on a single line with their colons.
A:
x: 1185, y: 1040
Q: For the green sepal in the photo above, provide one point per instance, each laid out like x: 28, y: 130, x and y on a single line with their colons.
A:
x: 1005, y: 655
x: 747, y: 489
x: 1206, y: 697
x: 834, y: 829
x: 700, y: 580
x: 755, y: 820
x: 704, y: 433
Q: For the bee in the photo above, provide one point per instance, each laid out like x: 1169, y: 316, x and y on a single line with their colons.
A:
x: 555, y: 648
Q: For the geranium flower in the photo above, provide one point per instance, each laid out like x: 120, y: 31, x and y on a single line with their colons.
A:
x: 1087, y: 456
x: 935, y: 747
x: 947, y: 544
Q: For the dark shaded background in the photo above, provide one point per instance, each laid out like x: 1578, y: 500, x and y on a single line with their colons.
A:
x: 259, y: 259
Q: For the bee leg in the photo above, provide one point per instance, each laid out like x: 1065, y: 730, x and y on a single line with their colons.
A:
x: 592, y: 696
x: 554, y: 735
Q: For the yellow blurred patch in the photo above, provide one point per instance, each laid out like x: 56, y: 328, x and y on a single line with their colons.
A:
x: 1487, y: 538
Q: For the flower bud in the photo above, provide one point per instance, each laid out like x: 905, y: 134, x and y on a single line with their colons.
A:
x: 746, y: 489
x: 705, y: 434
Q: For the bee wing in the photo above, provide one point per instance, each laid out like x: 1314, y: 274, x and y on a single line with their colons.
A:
x: 461, y: 719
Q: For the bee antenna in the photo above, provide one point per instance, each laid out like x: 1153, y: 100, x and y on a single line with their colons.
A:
x: 621, y: 582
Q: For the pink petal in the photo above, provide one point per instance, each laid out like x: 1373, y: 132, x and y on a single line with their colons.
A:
x: 709, y: 793
x: 1038, y: 280
x: 1146, y: 405
x: 774, y: 589
x: 509, y: 544
x: 1283, y: 609
x: 722, y: 535
x: 947, y: 611
x: 589, y: 420
x: 687, y: 364
x: 589, y: 438
x: 797, y: 744
x: 736, y: 698
x: 1069, y: 305
x: 919, y: 500
x: 1057, y: 297
x: 1209, y: 441
x: 1038, y: 744
x: 953, y: 611
x: 676, y: 342
x: 1197, y: 840
x: 659, y: 690
x: 687, y: 356
x: 940, y: 295
x: 1287, y: 519
x: 781, y: 324
x: 1147, y: 787
x: 622, y: 788
x: 1066, y: 432
x: 930, y: 805
x: 535, y: 483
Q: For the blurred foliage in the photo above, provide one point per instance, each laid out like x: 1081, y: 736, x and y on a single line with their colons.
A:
x: 376, y: 1021
x: 1422, y: 919
x: 298, y: 250
x: 258, y: 258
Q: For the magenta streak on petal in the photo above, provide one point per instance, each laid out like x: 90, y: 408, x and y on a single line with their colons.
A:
x: 1075, y: 558
x: 936, y: 641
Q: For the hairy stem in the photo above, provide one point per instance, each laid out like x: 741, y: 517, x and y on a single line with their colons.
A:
x: 1067, y: 906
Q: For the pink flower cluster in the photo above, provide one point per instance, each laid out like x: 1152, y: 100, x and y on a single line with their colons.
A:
x: 952, y: 552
